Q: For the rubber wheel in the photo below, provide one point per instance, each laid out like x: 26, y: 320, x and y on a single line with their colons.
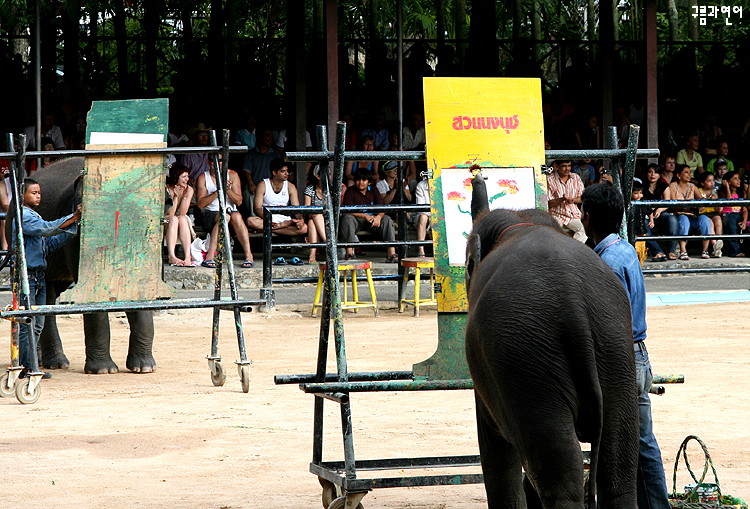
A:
x: 5, y: 391
x: 329, y: 492
x: 340, y: 503
x: 220, y: 377
x: 21, y: 392
x: 245, y: 378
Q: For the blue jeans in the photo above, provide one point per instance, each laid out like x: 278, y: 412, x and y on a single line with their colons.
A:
x: 652, y: 245
x: 730, y: 220
x: 27, y: 348
x: 702, y: 222
x: 652, y: 484
x: 668, y: 222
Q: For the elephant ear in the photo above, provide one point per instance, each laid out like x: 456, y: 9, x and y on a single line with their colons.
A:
x: 473, y: 256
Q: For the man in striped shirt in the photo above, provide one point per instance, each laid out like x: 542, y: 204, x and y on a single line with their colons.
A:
x: 564, y: 190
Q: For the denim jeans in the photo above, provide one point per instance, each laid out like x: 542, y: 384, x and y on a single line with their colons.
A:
x: 667, y: 222
x: 652, y: 483
x: 702, y: 222
x: 27, y: 347
x: 652, y: 245
x: 730, y: 221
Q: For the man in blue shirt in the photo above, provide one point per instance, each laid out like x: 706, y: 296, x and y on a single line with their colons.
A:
x: 40, y: 238
x: 602, y: 211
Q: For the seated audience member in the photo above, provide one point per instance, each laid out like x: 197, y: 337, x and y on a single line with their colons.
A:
x: 643, y: 221
x: 49, y: 130
x: 722, y: 151
x: 208, y: 201
x: 388, y: 185
x: 656, y: 189
x: 690, y: 156
x: 721, y: 169
x: 667, y: 164
x: 256, y: 166
x: 586, y: 171
x: 179, y: 194
x: 422, y: 197
x: 277, y: 191
x: 284, y: 143
x: 361, y: 193
x: 683, y: 189
x: 197, y: 164
x: 352, y: 167
x: 316, y: 231
x: 707, y: 191
x: 564, y: 191
x: 734, y: 218
x: 379, y: 133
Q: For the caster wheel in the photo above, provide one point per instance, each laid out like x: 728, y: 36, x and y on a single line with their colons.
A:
x: 329, y: 492
x: 340, y: 503
x: 219, y: 377
x: 5, y: 390
x: 22, y: 394
x: 245, y: 378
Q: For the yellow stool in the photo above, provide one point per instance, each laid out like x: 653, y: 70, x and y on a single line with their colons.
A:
x: 417, y: 264
x: 349, y: 266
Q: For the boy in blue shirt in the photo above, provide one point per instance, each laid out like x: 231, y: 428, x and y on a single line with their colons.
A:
x: 601, y: 215
x: 40, y: 238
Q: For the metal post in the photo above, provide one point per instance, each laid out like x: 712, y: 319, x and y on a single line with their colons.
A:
x: 627, y: 179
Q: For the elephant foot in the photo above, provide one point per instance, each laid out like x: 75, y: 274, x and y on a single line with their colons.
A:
x: 103, y: 367
x: 57, y: 361
x: 141, y: 363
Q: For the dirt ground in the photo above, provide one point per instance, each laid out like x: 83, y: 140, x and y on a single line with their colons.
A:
x: 171, y: 439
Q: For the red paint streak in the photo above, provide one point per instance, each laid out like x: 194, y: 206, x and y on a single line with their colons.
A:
x: 117, y: 225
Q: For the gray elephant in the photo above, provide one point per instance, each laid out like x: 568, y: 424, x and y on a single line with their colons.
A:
x: 61, y: 188
x: 549, y: 347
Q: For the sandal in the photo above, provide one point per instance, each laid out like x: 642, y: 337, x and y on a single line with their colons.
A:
x: 279, y: 261
x: 209, y: 264
x: 684, y: 256
x: 705, y: 255
x: 248, y: 264
x: 659, y: 257
x: 672, y: 256
x: 296, y: 261
x: 392, y: 259
x: 348, y: 256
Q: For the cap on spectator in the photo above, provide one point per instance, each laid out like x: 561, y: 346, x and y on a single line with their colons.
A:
x: 637, y: 184
x: 720, y: 161
x: 201, y: 127
x: 390, y: 166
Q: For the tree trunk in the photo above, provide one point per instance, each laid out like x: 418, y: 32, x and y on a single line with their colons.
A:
x: 536, y: 29
x: 591, y: 21
x: 517, y: 20
x: 71, y: 36
x: 122, y: 48
x: 151, y: 16
x: 693, y: 22
x: 483, y: 58
x: 674, y: 20
x: 462, y: 33
x: 216, y: 57
x: 440, y: 25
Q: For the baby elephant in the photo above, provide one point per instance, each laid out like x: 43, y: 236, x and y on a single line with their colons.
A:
x: 549, y: 344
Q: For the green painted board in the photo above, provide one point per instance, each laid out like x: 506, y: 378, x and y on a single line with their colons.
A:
x: 123, y: 205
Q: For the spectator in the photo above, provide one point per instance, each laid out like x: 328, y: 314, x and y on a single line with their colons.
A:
x: 197, y: 164
x: 734, y: 219
x: 682, y: 189
x: 720, y: 170
x: 388, y: 184
x: 422, y: 196
x: 316, y: 231
x: 179, y: 194
x: 208, y: 201
x: 707, y: 191
x: 413, y: 138
x: 277, y: 191
x: 258, y: 161
x: 40, y: 238
x: 667, y: 163
x: 379, y: 133
x: 351, y: 132
x: 722, y: 151
x: 643, y: 221
x: 352, y: 167
x: 564, y: 193
x: 361, y: 194
x: 690, y: 156
x: 586, y: 171
x: 589, y: 136
x: 666, y: 221
x: 246, y: 135
x: 49, y: 129
x: 281, y: 140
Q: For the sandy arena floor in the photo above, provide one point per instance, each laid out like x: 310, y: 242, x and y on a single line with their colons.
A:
x: 172, y: 440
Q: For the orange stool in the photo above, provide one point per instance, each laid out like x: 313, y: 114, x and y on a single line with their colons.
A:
x: 349, y: 266
x: 417, y: 264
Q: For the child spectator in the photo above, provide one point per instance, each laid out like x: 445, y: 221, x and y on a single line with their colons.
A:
x: 642, y: 219
x: 40, y: 238
x: 720, y: 170
x: 733, y: 218
x: 706, y: 191
x: 586, y: 171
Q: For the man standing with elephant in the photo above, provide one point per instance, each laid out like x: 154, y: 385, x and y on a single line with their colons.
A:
x: 602, y: 213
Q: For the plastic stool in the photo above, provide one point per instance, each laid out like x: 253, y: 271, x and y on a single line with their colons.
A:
x: 349, y: 266
x: 417, y: 264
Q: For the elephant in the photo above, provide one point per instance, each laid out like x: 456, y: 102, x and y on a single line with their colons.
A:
x: 549, y: 346
x: 61, y: 192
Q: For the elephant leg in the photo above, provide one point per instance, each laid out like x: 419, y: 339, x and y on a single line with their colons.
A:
x: 50, y: 344
x: 140, y: 358
x: 501, y: 465
x: 96, y: 331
